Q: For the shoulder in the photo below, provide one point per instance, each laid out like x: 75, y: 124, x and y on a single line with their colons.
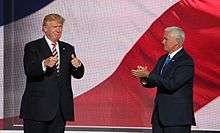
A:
x: 187, y: 56
x: 67, y: 46
x: 34, y: 43
x: 186, y: 59
x: 163, y: 57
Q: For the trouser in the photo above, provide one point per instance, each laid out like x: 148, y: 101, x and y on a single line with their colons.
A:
x: 57, y: 125
x: 159, y: 128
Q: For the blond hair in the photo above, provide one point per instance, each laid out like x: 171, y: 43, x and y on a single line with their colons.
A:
x: 53, y: 17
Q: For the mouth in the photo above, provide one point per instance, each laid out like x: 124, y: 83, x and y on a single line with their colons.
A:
x: 58, y: 34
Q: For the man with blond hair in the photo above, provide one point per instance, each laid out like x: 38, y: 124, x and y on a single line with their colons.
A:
x: 49, y: 63
x: 173, y: 76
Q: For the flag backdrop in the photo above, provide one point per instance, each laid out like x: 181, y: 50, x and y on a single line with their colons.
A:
x: 111, y: 38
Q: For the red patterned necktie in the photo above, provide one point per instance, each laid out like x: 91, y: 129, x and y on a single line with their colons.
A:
x: 55, y: 54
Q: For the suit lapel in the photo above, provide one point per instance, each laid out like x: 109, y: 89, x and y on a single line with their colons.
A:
x: 63, y: 54
x: 179, y: 54
x: 161, y: 63
x: 45, y: 49
x: 172, y: 62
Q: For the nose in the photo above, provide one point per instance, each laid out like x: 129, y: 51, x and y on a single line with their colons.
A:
x: 163, y: 41
x: 59, y: 29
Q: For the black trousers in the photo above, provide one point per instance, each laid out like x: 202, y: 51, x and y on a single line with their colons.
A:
x: 159, y: 128
x: 57, y: 125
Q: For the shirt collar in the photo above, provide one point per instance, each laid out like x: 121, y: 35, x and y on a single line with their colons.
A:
x: 174, y: 53
x: 49, y: 42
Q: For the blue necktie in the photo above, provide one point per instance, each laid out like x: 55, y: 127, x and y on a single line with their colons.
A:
x: 165, y: 64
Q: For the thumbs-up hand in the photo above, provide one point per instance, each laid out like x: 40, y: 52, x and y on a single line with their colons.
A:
x: 75, y: 61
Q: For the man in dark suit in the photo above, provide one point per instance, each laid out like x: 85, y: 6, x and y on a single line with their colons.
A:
x: 47, y: 102
x: 173, y: 76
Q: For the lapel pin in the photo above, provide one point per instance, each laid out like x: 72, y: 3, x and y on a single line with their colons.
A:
x: 63, y: 48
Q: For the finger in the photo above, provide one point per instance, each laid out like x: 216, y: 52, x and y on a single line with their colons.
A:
x: 54, y: 58
x: 135, y: 74
x: 50, y: 57
x: 140, y: 67
x: 133, y: 70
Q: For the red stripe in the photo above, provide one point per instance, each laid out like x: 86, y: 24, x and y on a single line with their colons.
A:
x: 121, y: 101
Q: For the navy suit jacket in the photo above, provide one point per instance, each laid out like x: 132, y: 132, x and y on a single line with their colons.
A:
x: 174, y: 97
x: 46, y: 91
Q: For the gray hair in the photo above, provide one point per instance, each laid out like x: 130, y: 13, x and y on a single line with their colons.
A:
x: 177, y: 32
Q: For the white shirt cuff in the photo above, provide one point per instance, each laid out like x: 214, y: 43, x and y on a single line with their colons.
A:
x: 43, y: 66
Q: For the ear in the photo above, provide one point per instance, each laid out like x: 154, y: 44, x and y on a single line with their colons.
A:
x: 44, y: 29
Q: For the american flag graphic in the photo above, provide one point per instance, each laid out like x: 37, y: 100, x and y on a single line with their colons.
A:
x: 111, y: 38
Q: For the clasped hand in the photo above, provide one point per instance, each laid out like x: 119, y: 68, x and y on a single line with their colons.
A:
x: 51, y: 61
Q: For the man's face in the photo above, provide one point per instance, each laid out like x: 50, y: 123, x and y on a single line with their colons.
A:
x: 53, y: 30
x: 170, y: 42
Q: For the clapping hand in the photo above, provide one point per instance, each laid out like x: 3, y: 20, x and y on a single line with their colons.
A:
x: 141, y: 72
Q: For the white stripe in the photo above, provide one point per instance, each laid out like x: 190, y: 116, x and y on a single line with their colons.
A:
x: 1, y: 71
x: 102, y: 32
x: 208, y: 116
x: 19, y: 131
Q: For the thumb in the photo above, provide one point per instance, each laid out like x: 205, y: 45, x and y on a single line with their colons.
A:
x: 73, y: 56
x: 139, y: 67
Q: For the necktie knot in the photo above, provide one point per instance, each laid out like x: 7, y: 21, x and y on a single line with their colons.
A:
x: 167, y: 60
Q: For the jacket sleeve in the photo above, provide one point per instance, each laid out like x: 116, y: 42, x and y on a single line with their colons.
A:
x: 77, y: 72
x: 182, y: 74
x: 147, y: 82
x: 32, y: 62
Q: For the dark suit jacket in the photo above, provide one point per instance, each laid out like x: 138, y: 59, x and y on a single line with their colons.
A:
x: 174, y: 98
x: 46, y: 91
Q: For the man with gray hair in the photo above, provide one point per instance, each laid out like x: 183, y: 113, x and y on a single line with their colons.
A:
x: 173, y: 76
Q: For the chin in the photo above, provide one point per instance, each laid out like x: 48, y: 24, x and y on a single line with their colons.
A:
x: 165, y: 49
x: 57, y: 38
